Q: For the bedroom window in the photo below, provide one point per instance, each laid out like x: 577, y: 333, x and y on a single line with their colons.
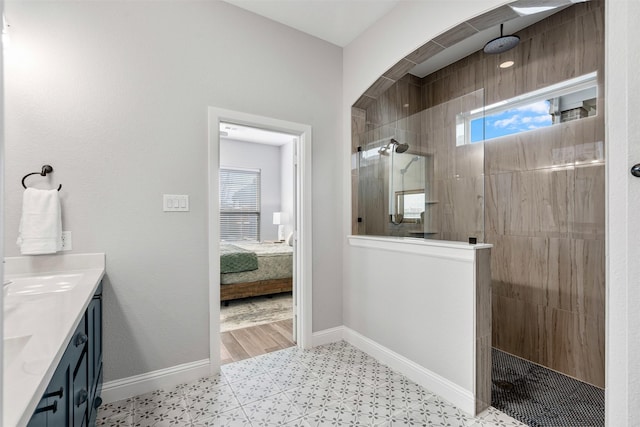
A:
x: 239, y: 204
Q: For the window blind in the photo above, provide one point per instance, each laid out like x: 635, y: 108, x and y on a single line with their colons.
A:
x: 239, y: 204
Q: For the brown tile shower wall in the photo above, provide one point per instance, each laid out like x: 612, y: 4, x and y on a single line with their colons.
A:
x: 457, y: 177
x: 544, y: 206
x: 403, y: 99
x: 543, y: 190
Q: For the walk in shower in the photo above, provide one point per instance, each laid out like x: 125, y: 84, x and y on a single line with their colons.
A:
x: 431, y: 190
x: 507, y: 149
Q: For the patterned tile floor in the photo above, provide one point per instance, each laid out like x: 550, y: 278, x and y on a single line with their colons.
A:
x: 331, y: 385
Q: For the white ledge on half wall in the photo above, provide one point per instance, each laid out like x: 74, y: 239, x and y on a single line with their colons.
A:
x: 438, y: 248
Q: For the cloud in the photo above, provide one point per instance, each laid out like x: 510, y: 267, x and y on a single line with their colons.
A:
x: 540, y: 107
x: 509, y: 122
x: 537, y: 119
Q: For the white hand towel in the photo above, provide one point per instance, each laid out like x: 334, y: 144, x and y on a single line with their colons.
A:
x: 41, y: 222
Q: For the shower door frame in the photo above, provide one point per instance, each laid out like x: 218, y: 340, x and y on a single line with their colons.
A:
x: 302, y: 269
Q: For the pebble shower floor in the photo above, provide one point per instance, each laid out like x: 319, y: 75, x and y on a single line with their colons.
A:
x: 541, y: 397
x: 330, y: 385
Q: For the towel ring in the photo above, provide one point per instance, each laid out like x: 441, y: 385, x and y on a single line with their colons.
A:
x: 45, y: 170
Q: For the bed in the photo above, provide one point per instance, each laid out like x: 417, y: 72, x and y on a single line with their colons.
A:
x: 254, y: 269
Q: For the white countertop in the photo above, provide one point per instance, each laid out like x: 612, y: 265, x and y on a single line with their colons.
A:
x: 46, y: 322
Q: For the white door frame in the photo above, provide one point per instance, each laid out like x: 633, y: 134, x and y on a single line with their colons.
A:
x: 303, y: 267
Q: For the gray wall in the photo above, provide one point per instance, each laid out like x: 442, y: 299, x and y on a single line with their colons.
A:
x: 250, y: 155
x: 114, y: 95
x: 287, y: 196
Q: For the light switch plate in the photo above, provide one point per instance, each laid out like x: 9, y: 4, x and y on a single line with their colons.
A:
x: 175, y: 202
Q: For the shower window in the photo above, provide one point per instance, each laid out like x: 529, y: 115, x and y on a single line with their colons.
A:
x: 558, y: 103
x: 521, y: 119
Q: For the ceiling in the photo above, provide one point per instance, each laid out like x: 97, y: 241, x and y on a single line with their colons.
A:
x: 477, y: 41
x: 336, y: 21
x: 341, y: 21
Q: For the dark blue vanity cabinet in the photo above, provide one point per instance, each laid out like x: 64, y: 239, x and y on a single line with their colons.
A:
x: 73, y: 395
x: 94, y: 325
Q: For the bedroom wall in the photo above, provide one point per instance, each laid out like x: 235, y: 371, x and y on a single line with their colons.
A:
x: 114, y: 95
x: 250, y: 155
x: 287, y: 178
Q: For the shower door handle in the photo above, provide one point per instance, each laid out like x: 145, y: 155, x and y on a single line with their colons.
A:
x: 635, y: 170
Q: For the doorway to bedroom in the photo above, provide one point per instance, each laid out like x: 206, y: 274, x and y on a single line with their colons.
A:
x: 257, y: 250
x: 300, y: 222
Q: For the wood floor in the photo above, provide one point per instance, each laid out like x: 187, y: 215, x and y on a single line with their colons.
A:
x: 255, y: 340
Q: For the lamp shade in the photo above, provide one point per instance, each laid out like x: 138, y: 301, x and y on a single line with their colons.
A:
x: 280, y: 218
x: 277, y: 218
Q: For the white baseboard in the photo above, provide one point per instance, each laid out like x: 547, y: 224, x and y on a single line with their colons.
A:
x: 327, y: 336
x: 450, y: 391
x: 124, y: 388
x: 113, y: 391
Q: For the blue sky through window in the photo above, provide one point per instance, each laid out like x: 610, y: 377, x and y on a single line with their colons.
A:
x: 533, y: 116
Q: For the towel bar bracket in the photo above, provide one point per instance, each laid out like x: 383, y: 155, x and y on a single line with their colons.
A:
x: 46, y: 169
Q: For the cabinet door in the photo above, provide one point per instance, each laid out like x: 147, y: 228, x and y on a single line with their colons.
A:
x: 96, y: 401
x: 78, y: 342
x: 94, y: 322
x: 59, y: 395
x: 39, y: 417
x: 94, y: 317
x: 80, y: 392
x: 54, y: 407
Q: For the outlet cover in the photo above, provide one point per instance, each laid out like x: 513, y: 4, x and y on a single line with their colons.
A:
x: 66, y: 241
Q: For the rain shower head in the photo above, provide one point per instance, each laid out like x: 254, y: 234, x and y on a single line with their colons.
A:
x: 501, y: 44
x: 400, y: 148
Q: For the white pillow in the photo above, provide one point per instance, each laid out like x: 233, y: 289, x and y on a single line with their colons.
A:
x: 290, y: 239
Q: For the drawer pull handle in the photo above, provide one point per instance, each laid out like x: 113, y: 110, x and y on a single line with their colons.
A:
x: 58, y: 393
x: 97, y: 402
x: 81, y: 339
x: 82, y: 397
x: 53, y: 408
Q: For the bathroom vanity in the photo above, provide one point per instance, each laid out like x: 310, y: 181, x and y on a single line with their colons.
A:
x: 53, y: 340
